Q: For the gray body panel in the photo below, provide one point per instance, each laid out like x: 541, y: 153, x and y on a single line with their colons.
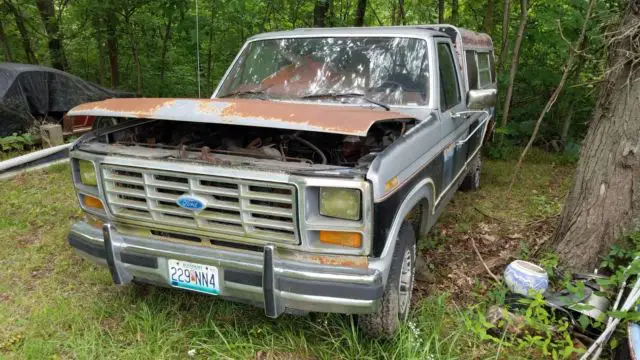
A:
x: 422, y: 167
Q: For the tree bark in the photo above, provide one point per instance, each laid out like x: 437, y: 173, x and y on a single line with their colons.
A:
x: 165, y: 48
x: 134, y: 51
x: 320, y: 10
x: 101, y: 62
x: 50, y: 21
x: 209, y: 76
x: 454, y: 12
x: 440, y: 11
x: 487, y: 24
x: 566, y: 125
x: 360, y: 12
x: 514, y: 62
x: 24, y: 34
x: 401, y: 18
x: 5, y: 45
x: 604, y: 201
x: 505, y: 33
x: 112, y: 49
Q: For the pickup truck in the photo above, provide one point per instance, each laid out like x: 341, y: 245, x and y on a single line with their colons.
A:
x: 305, y: 181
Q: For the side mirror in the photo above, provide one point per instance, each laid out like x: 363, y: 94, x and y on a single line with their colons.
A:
x: 481, y: 99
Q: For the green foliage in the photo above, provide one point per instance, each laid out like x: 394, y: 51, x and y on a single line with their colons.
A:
x: 162, y: 35
x: 533, y: 329
x: 16, y: 142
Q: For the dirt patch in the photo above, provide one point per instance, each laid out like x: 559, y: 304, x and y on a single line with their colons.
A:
x: 110, y: 325
x: 28, y: 239
x: 454, y: 267
x: 19, y: 179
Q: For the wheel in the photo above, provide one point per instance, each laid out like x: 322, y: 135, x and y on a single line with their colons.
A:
x: 396, y: 299
x: 471, y: 182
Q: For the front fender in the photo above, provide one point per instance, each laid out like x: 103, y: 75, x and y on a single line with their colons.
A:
x: 421, y: 192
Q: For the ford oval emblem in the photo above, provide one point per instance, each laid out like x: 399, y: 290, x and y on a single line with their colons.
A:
x: 191, y: 202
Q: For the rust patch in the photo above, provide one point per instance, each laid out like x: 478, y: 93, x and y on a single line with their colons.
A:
x: 334, y: 118
x: 348, y: 120
x: 352, y: 261
x: 348, y: 261
x: 137, y: 107
x: 476, y: 39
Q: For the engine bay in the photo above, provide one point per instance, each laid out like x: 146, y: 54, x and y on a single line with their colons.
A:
x: 221, y: 144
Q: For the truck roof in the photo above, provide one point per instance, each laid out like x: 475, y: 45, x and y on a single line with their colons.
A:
x: 470, y: 38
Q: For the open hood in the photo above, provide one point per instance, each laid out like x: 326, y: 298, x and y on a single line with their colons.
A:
x: 338, y: 119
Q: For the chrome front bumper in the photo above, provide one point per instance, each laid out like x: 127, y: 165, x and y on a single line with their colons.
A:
x: 268, y: 279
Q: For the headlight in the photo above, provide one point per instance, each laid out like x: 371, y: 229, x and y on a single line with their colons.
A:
x: 87, y: 173
x: 340, y: 203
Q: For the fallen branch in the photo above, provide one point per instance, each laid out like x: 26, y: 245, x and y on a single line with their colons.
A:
x: 554, y: 97
x: 541, y: 220
x: 490, y: 216
x: 475, y: 248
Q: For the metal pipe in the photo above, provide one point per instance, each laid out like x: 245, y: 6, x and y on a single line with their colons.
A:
x: 20, y: 160
x: 596, y: 347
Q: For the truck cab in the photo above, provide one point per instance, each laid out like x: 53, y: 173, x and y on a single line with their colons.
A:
x: 304, y: 183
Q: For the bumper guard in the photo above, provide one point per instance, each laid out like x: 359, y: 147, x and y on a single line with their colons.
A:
x: 278, y: 284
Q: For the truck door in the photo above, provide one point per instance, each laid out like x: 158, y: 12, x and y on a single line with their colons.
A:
x: 454, y: 128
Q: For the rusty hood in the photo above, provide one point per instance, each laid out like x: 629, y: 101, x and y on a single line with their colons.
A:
x: 339, y: 119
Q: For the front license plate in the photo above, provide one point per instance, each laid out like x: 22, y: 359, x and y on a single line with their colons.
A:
x: 195, y: 277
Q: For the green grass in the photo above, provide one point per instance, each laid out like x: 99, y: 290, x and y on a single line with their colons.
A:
x: 53, y: 304
x: 538, y: 192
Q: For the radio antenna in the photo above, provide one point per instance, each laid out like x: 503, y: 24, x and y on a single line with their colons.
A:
x: 198, y: 47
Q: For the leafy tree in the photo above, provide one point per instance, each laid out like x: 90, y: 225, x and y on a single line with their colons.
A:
x: 604, y: 202
x: 149, y: 46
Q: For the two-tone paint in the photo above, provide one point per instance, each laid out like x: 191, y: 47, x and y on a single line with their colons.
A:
x: 423, y: 167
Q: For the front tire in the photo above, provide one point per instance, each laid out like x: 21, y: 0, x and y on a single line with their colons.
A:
x: 396, y: 300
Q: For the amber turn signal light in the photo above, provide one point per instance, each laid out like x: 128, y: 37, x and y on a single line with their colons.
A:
x: 350, y: 239
x: 91, y: 202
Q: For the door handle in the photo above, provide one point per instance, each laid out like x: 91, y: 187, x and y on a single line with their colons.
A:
x: 458, y: 116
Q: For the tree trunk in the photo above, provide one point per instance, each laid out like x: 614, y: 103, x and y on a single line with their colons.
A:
x: 136, y: 56
x: 48, y: 16
x: 360, y: 11
x: 320, y: 10
x: 566, y: 125
x: 440, y: 11
x: 487, y: 24
x: 165, y: 49
x: 401, y: 17
x: 294, y: 12
x: 26, y: 42
x: 514, y: 62
x: 505, y: 33
x: 604, y: 201
x: 393, y: 13
x: 454, y: 12
x: 5, y: 45
x: 101, y: 61
x: 209, y: 76
x: 112, y: 49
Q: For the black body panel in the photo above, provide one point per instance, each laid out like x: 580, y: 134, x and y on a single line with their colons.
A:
x: 385, y: 211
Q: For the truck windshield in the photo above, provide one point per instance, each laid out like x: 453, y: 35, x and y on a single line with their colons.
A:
x: 388, y: 70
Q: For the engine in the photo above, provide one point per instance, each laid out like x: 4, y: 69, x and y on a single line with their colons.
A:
x: 262, y: 143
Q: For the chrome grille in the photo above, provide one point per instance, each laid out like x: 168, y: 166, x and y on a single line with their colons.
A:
x: 236, y: 209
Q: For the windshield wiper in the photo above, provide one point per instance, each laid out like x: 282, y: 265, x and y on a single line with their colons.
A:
x: 261, y: 92
x: 332, y: 95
